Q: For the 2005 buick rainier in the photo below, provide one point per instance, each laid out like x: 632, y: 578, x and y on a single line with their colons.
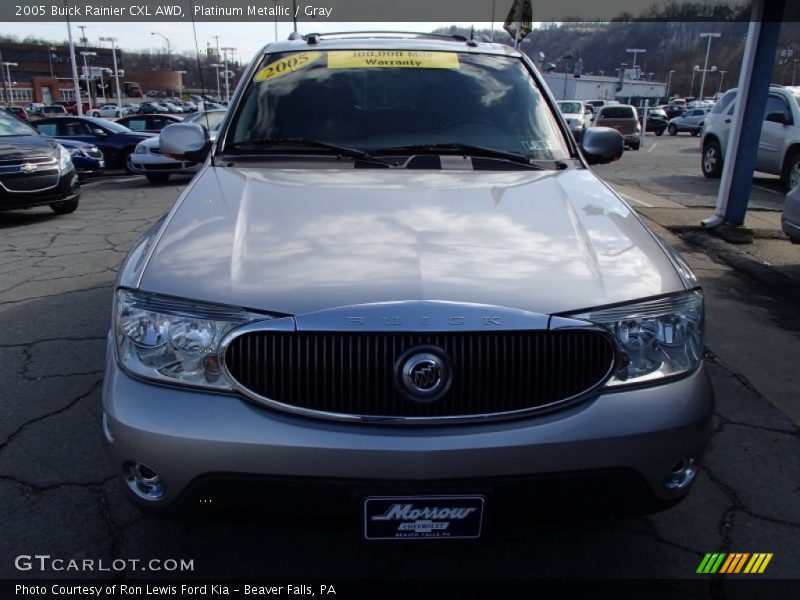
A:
x: 397, y: 295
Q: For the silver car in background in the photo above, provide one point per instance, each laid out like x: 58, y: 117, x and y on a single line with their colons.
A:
x: 577, y: 116
x: 396, y: 292
x: 148, y: 160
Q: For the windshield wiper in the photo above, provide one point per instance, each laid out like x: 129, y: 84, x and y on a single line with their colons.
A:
x: 467, y: 149
x: 309, y: 143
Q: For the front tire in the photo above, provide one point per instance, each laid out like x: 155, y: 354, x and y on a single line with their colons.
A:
x: 126, y: 163
x: 66, y: 207
x: 673, y: 130
x: 711, y: 162
x: 660, y: 132
x: 791, y: 171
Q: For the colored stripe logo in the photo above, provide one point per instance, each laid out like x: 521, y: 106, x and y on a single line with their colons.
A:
x: 734, y: 562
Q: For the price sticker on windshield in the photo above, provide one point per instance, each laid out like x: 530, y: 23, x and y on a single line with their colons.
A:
x: 286, y: 65
x: 408, y: 59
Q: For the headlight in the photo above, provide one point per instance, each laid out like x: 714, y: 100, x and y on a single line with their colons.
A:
x: 657, y: 338
x: 76, y: 152
x: 64, y: 159
x: 140, y: 149
x: 172, y: 340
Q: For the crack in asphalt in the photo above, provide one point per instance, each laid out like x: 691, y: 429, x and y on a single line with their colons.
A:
x: 34, y: 489
x: 17, y: 432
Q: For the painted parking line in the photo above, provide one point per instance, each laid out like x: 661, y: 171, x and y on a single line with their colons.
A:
x: 636, y: 200
x: 653, y: 147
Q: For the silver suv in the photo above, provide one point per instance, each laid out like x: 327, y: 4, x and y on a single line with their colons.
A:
x: 396, y: 291
x: 779, y: 145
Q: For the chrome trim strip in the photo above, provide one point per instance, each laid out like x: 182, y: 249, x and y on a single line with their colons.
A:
x: 421, y: 316
x: 288, y: 324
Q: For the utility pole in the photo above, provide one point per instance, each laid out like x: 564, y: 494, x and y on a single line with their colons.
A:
x: 84, y: 39
x: 710, y: 36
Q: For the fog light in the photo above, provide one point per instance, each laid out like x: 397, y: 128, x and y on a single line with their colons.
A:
x: 144, y: 481
x: 681, y: 474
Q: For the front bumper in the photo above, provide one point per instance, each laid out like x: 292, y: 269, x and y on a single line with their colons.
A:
x: 188, y: 435
x: 156, y: 163
x: 67, y: 188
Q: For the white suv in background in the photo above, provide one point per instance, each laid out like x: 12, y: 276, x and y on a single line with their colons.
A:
x: 779, y: 145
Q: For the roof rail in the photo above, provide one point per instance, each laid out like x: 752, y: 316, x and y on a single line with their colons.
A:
x: 313, y: 38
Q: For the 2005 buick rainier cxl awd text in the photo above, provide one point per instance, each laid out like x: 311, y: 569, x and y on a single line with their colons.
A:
x: 395, y: 294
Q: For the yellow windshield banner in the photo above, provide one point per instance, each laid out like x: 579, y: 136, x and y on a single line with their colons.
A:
x: 286, y: 65
x: 360, y: 59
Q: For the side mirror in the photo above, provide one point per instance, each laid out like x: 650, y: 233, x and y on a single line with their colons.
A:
x: 601, y: 145
x: 779, y: 117
x: 185, y: 141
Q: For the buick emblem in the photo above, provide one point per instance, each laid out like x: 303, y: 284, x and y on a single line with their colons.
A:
x: 27, y: 167
x: 424, y: 374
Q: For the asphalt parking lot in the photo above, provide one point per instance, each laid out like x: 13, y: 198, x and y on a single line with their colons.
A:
x: 60, y: 496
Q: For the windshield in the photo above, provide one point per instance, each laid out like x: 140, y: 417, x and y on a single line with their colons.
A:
x: 570, y: 107
x: 13, y: 126
x: 382, y: 100
x: 617, y: 112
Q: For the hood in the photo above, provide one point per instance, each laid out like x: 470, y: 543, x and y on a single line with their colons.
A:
x: 72, y: 143
x: 295, y: 241
x: 18, y: 147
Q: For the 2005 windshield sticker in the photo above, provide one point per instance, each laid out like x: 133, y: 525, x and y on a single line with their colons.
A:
x: 356, y: 59
x: 284, y: 66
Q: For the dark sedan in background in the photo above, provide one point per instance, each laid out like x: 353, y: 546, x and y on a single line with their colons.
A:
x: 115, y: 141
x: 34, y: 170
x: 656, y: 120
x: 150, y: 123
x: 87, y: 158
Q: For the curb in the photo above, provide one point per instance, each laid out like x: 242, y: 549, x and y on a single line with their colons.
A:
x: 757, y: 270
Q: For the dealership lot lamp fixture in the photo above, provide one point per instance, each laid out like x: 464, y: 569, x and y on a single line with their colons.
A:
x: 113, y: 42
x: 669, y: 80
x: 710, y: 36
x: 84, y: 54
x: 8, y: 66
x: 694, y: 72
x: 635, y: 51
x: 169, y: 48
x: 217, y: 67
x: 225, y: 73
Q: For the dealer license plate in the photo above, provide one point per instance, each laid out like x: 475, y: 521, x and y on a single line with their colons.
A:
x: 423, y: 517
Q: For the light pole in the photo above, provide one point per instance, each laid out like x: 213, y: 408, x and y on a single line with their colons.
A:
x: 180, y: 85
x: 169, y: 49
x: 74, y: 63
x: 567, y: 58
x: 226, y: 74
x: 710, y: 36
x: 669, y: 80
x: 721, y: 76
x: 113, y: 41
x: 84, y: 54
x: 691, y: 85
x: 217, y: 67
x: 635, y: 51
x: 8, y: 66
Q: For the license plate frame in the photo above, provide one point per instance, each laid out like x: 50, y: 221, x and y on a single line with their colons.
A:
x: 424, y: 517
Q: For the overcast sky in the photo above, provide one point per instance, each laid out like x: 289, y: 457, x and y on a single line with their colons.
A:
x: 247, y: 38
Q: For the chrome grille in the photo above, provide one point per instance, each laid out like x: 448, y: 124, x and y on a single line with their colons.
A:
x: 354, y: 374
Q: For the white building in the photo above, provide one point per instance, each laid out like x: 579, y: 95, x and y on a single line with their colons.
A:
x: 565, y: 86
